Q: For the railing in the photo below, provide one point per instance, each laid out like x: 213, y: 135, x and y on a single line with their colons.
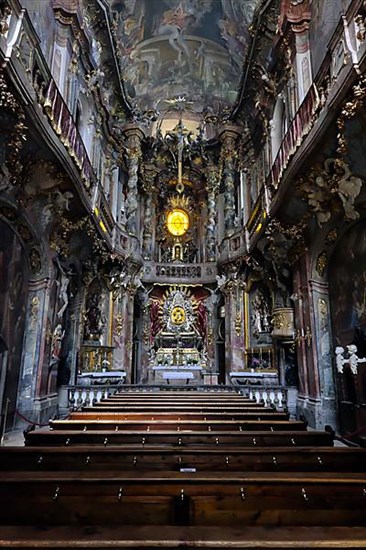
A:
x: 63, y: 123
x: 202, y: 273
x: 87, y: 396
x: 233, y: 247
x: 299, y: 128
x: 281, y: 397
x: 74, y: 397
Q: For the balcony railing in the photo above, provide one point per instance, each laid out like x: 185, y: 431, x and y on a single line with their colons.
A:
x: 299, y: 128
x: 63, y: 124
x: 180, y: 272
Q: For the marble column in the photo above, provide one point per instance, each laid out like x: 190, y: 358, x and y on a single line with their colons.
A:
x: 212, y: 190
x: 321, y: 337
x: 74, y: 334
x: 211, y: 305
x: 315, y: 401
x: 228, y: 162
x: 133, y: 153
x: 123, y: 330
x: 234, y: 327
x: 35, y: 347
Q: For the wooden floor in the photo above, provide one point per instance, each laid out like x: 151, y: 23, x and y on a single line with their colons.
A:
x: 181, y: 469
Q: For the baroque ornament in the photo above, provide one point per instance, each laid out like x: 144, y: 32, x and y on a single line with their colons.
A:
x: 331, y: 189
x: 179, y: 310
x: 34, y: 309
x: 322, y: 263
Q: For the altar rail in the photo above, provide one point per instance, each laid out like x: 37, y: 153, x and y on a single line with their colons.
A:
x: 281, y: 397
x: 74, y: 397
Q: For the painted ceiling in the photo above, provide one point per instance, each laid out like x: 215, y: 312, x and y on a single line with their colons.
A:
x: 186, y: 50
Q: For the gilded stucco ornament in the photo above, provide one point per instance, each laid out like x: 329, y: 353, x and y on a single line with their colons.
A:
x: 349, y: 110
x: 120, y: 324
x: 178, y: 312
x: 34, y: 309
x: 238, y: 323
x: 331, y: 189
x: 16, y: 132
x: 322, y: 263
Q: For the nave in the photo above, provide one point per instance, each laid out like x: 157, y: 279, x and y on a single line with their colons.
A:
x: 181, y: 468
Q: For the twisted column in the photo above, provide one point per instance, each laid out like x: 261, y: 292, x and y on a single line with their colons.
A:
x: 133, y: 152
x: 150, y: 174
x: 228, y: 162
x: 212, y: 190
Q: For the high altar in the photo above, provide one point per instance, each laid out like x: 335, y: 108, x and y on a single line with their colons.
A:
x: 178, y: 353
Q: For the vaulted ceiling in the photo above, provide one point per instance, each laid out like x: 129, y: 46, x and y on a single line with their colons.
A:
x: 188, y: 49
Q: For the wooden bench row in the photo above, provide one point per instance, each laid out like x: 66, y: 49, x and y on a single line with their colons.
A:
x: 177, y: 425
x: 182, y: 473
x: 307, y: 459
x: 164, y: 437
x: 98, y: 414
x: 202, y: 409
x: 211, y: 499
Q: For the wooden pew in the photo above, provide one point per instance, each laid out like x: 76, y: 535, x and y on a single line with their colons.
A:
x: 207, y: 499
x: 147, y: 485
x: 161, y: 408
x: 275, y: 459
x: 95, y: 414
x: 177, y: 425
x: 179, y: 439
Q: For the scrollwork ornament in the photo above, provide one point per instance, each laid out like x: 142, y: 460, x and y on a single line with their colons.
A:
x: 120, y: 324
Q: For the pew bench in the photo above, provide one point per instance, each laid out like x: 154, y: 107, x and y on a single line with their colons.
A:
x: 200, y: 499
x: 239, y: 438
x: 320, y: 459
x: 178, y: 425
x: 250, y: 415
x: 161, y: 408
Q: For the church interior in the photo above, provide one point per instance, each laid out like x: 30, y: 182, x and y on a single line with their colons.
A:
x: 182, y: 282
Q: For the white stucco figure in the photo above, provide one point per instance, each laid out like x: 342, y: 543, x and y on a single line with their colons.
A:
x: 339, y: 359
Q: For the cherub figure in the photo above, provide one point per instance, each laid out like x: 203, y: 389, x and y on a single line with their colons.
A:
x: 353, y: 359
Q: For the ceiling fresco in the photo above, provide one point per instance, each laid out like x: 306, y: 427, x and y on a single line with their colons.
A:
x: 192, y: 49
